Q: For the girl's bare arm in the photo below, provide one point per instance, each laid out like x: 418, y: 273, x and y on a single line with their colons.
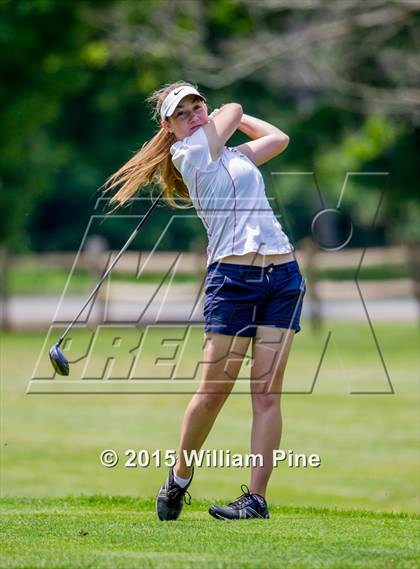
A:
x: 267, y: 141
x: 221, y: 126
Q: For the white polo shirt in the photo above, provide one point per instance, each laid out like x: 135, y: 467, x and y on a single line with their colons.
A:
x: 229, y: 197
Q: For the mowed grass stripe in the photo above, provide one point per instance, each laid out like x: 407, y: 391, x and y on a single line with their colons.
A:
x: 12, y: 504
x: 120, y: 532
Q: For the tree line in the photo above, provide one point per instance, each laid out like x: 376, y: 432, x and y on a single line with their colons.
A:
x: 340, y: 78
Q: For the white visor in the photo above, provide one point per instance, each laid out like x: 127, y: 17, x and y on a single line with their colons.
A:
x: 173, y: 99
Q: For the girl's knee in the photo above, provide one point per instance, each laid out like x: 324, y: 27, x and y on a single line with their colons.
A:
x: 263, y: 402
x: 214, y: 400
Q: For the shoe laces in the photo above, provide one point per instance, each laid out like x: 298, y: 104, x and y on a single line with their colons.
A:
x: 188, y: 502
x: 176, y: 491
x: 242, y: 500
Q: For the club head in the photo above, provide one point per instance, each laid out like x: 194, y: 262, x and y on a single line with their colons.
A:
x: 59, y: 360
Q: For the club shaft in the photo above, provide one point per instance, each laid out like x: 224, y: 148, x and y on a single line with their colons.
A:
x: 111, y: 266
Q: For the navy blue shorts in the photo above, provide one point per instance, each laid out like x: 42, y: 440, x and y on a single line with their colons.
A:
x: 238, y: 298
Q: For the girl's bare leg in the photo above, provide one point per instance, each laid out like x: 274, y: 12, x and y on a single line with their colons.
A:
x: 270, y: 352
x: 223, y: 356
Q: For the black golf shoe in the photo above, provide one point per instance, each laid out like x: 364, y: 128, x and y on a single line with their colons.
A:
x: 171, y: 497
x: 246, y: 506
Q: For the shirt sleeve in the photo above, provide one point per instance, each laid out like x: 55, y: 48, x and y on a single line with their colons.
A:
x: 193, y: 153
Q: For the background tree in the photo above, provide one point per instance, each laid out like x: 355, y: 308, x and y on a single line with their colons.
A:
x: 340, y: 78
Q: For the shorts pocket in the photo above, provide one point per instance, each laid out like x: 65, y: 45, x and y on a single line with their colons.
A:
x: 214, y: 285
x: 293, y: 268
x: 293, y: 286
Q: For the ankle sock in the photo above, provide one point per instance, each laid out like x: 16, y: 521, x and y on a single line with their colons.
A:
x: 181, y: 481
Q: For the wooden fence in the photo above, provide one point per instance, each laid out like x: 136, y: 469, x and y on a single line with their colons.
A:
x: 189, y: 263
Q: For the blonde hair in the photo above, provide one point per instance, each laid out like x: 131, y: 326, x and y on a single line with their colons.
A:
x: 152, y: 163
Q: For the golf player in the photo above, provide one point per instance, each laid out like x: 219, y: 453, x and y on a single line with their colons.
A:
x: 253, y: 289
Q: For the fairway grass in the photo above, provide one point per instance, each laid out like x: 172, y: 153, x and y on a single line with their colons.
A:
x: 61, y: 508
x: 123, y: 532
x: 50, y: 444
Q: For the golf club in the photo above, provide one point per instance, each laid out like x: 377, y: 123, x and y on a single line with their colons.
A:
x: 57, y: 358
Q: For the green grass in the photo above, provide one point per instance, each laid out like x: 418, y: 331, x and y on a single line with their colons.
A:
x: 379, y: 272
x: 51, y: 281
x: 368, y: 445
x: 35, y: 280
x: 123, y: 532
